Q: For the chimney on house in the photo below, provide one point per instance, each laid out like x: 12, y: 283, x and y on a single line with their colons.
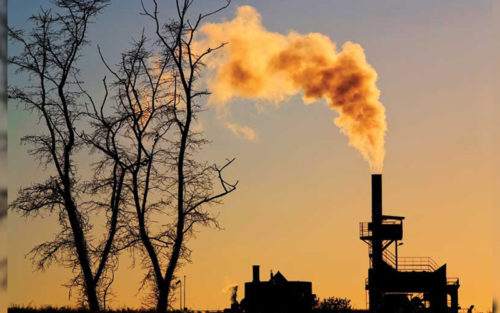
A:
x: 256, y: 274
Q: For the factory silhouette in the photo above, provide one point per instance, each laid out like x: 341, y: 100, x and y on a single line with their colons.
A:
x: 394, y: 284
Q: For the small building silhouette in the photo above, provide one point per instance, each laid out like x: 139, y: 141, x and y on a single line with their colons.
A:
x: 278, y: 295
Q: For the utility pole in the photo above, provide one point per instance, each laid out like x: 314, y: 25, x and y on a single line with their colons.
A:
x: 184, y: 292
x: 180, y: 295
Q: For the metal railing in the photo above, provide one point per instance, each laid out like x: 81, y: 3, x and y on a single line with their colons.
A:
x: 364, y: 230
x: 410, y: 264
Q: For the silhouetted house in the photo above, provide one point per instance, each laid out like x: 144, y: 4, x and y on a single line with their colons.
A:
x: 278, y: 295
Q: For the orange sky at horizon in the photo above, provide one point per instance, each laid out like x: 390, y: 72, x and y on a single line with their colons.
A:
x: 302, y: 189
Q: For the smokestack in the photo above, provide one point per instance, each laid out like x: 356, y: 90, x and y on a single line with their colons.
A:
x: 377, y: 198
x: 256, y: 274
x: 376, y: 221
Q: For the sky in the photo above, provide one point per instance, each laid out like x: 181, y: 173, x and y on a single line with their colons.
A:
x: 302, y: 189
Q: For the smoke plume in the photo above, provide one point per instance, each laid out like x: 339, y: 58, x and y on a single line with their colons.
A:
x: 240, y: 131
x: 259, y: 64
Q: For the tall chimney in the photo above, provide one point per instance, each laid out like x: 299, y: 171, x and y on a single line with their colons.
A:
x: 376, y: 221
x: 375, y: 278
x: 256, y: 274
x: 377, y: 198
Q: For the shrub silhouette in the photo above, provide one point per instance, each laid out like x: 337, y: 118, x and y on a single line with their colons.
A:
x: 333, y: 305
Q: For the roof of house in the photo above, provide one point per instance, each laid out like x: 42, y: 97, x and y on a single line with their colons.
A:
x: 278, y: 278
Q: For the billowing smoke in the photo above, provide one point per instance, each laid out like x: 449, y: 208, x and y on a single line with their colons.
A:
x: 258, y: 64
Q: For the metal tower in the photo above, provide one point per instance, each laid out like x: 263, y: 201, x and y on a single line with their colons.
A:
x: 391, y: 279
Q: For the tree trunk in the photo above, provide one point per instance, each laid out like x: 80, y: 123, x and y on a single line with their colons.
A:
x: 92, y: 299
x: 83, y: 257
x: 172, y: 265
x: 162, y: 304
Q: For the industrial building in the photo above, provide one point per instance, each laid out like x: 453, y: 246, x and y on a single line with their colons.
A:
x: 394, y: 283
x: 393, y: 280
x: 278, y: 295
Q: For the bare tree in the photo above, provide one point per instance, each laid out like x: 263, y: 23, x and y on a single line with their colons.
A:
x: 139, y: 127
x: 156, y: 104
x: 49, y: 56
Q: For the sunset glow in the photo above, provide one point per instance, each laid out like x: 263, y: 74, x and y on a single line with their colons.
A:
x: 298, y: 85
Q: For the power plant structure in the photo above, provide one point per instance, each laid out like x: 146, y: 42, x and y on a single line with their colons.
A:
x: 392, y: 279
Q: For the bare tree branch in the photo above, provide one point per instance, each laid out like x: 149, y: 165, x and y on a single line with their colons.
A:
x: 188, y: 183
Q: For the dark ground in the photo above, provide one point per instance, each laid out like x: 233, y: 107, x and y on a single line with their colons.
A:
x: 17, y: 309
